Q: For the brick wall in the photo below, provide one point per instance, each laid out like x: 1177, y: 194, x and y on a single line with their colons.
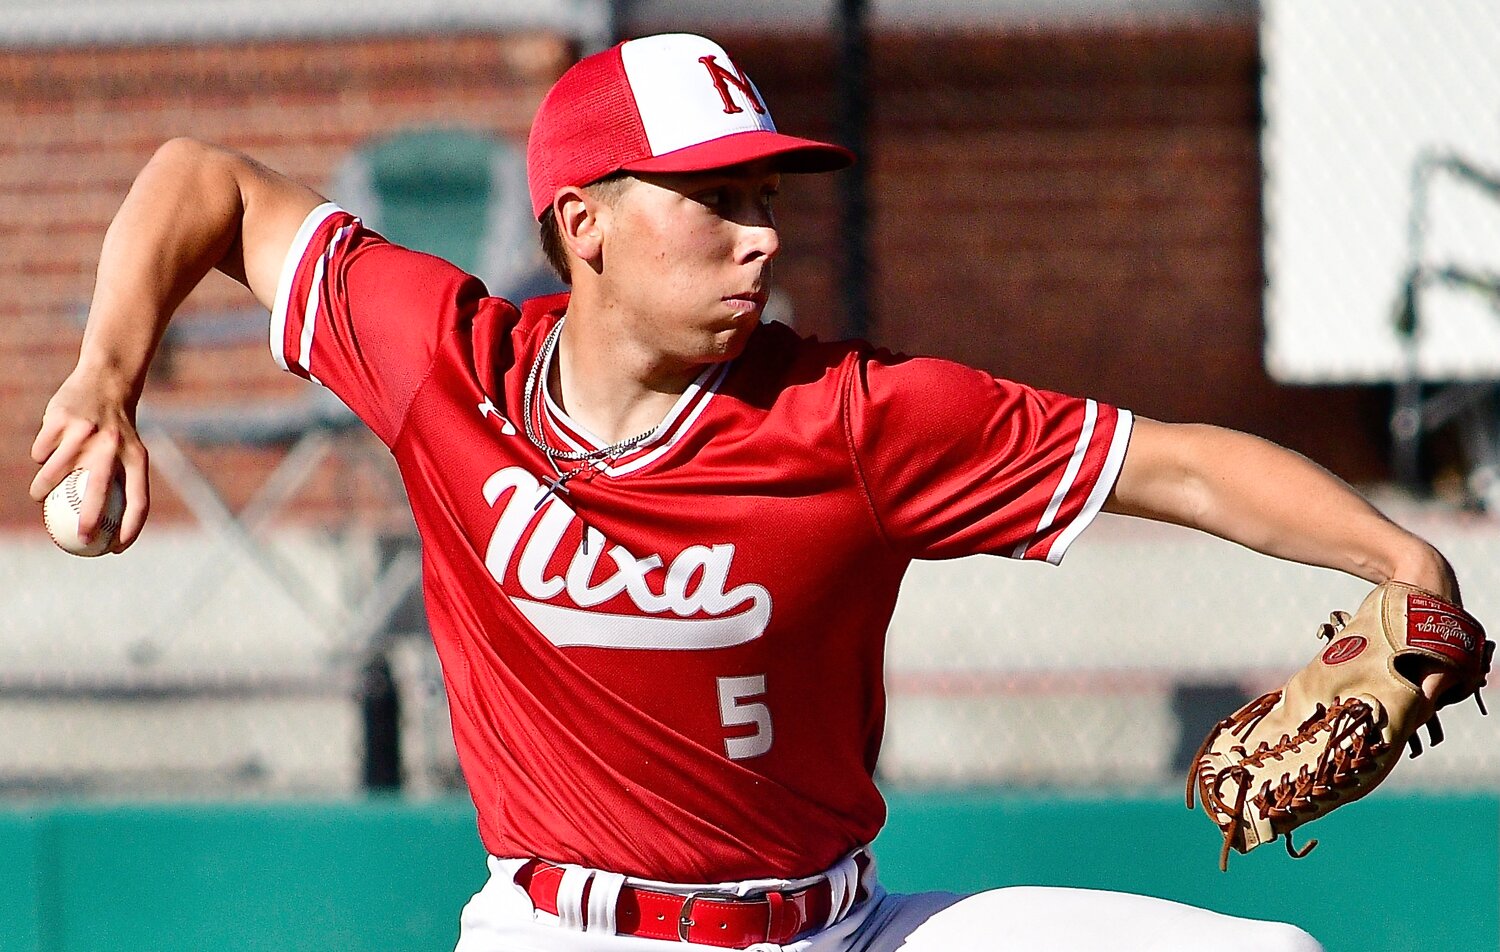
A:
x: 1075, y: 208
x: 77, y: 124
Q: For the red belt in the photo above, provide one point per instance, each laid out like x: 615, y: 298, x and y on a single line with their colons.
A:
x: 706, y: 917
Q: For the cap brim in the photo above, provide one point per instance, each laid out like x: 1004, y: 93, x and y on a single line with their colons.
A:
x: 790, y: 153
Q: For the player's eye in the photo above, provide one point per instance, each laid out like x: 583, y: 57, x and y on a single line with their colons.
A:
x: 712, y: 197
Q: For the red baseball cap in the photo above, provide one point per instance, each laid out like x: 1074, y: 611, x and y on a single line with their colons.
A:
x: 668, y: 103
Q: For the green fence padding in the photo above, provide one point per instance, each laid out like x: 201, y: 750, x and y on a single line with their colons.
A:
x: 1390, y: 874
x: 21, y: 882
x: 434, y: 188
x: 376, y: 876
x: 390, y: 876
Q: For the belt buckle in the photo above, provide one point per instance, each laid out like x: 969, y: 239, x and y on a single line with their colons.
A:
x: 685, y: 920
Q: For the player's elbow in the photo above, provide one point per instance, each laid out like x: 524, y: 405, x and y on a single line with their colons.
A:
x: 216, y: 174
x: 185, y: 153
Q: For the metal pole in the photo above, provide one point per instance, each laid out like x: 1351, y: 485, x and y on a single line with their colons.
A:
x: 618, y: 15
x: 850, y: 132
x: 381, y: 709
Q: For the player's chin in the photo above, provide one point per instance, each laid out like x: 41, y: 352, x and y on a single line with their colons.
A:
x: 727, y: 343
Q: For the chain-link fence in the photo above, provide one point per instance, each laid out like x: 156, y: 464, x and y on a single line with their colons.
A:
x: 1110, y: 668
x: 1103, y: 671
x: 1071, y: 200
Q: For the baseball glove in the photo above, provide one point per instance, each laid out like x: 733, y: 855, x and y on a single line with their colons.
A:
x: 1337, y: 727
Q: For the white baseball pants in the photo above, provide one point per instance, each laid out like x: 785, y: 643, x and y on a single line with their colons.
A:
x: 501, y: 918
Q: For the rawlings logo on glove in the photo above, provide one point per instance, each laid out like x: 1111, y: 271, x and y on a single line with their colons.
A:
x: 1337, y: 728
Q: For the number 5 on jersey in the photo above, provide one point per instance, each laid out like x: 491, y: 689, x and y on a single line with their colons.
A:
x: 738, y: 706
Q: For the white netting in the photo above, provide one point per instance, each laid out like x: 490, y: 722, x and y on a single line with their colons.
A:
x: 1375, y: 113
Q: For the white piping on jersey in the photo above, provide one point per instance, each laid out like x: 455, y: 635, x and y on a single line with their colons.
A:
x: 289, y: 265
x: 712, y: 386
x: 1102, y: 488
x: 310, y: 313
x: 1070, y: 474
x: 705, y: 385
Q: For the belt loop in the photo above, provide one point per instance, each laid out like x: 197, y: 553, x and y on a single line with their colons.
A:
x: 775, y: 921
x: 843, y: 886
x: 570, y: 897
x: 604, y: 895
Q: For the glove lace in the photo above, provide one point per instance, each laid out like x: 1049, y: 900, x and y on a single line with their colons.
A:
x: 1353, y: 747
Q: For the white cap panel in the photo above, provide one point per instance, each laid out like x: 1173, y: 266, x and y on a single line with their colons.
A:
x: 682, y: 99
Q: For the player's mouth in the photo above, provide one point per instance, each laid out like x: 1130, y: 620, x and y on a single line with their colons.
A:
x: 753, y: 301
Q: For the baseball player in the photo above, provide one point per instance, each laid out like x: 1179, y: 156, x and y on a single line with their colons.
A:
x: 663, y: 541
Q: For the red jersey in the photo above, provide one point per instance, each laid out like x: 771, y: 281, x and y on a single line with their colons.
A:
x: 673, y: 670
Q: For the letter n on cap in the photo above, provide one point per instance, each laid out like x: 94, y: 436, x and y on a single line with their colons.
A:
x: 722, y: 78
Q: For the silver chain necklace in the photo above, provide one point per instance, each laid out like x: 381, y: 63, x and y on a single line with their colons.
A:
x: 594, y: 458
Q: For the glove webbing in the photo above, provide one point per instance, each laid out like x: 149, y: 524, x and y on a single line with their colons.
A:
x: 1352, y: 749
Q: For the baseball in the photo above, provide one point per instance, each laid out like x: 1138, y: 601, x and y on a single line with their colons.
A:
x: 60, y: 514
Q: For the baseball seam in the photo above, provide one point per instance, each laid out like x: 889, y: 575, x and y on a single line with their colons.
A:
x: 107, y: 523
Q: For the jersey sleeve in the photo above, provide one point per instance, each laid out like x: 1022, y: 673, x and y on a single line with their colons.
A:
x: 957, y: 462
x: 364, y: 317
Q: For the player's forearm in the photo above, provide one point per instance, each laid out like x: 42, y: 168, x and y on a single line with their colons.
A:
x: 1272, y: 500
x: 180, y: 219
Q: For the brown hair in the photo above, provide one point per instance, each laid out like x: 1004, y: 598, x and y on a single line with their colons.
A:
x: 606, y: 190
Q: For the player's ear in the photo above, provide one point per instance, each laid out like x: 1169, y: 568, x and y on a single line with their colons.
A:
x: 579, y: 224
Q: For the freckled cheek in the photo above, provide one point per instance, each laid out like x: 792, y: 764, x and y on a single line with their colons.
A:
x: 692, y: 252
x: 676, y: 260
x: 665, y: 249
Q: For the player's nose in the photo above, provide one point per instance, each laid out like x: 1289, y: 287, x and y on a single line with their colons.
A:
x: 759, y: 240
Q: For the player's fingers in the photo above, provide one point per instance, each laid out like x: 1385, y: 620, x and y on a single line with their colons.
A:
x: 63, y: 458
x: 100, y: 463
x: 47, y: 437
x: 135, y: 462
x: 1436, y: 683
